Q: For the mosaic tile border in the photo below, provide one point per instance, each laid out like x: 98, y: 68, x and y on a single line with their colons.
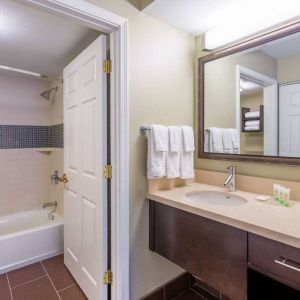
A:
x: 27, y: 136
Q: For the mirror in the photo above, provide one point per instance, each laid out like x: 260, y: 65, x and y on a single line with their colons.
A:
x: 249, y: 100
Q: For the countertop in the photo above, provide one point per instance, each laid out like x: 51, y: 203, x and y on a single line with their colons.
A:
x: 267, y: 219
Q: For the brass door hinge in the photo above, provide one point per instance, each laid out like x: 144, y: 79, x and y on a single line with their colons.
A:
x: 108, y: 172
x: 107, y: 66
x: 108, y: 277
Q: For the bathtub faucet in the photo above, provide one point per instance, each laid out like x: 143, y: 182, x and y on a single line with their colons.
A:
x: 51, y: 204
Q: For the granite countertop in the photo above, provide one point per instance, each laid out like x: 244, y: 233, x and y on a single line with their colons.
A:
x: 267, y: 219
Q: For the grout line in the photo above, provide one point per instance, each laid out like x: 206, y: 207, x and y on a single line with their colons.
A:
x: 27, y: 282
x: 67, y: 287
x: 50, y: 280
x: 9, y: 287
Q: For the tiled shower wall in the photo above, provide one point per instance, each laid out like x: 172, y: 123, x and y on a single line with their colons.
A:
x: 25, y: 124
x: 56, y: 192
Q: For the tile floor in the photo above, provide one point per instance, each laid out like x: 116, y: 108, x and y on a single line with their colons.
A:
x: 45, y: 280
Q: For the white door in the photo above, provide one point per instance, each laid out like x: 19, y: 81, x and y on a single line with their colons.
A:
x: 289, y: 120
x: 271, y: 120
x: 85, y: 197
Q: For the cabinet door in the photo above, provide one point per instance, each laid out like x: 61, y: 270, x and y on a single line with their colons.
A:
x: 214, y: 252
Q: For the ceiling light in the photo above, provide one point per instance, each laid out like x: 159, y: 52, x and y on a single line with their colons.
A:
x: 249, y: 17
x: 22, y: 71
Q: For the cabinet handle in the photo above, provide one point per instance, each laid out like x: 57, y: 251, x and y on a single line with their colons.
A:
x: 284, y: 262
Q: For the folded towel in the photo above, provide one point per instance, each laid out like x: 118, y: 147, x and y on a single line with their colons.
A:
x: 207, y: 141
x: 188, y: 138
x: 173, y: 155
x: 252, y: 123
x: 160, y: 137
x: 156, y: 160
x: 235, y: 140
x: 252, y: 114
x: 216, y: 140
x: 175, y: 136
x: 252, y: 128
x: 186, y: 153
x: 227, y: 140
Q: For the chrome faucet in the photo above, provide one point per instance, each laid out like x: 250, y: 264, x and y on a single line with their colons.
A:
x: 230, y: 180
x: 51, y: 204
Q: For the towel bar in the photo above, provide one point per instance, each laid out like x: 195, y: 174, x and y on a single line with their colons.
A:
x: 144, y: 129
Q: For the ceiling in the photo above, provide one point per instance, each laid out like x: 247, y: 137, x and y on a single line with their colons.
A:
x: 38, y: 41
x: 192, y: 16
x: 283, y: 48
x: 198, y: 16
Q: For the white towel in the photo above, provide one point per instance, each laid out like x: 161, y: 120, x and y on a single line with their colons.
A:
x: 252, y: 123
x: 173, y: 155
x: 161, y: 137
x: 252, y: 114
x: 188, y: 138
x: 156, y: 160
x: 235, y: 140
x: 207, y: 141
x: 252, y: 128
x: 216, y: 140
x: 187, y: 153
x: 227, y: 140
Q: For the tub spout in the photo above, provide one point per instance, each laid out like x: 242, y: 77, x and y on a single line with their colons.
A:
x: 50, y: 204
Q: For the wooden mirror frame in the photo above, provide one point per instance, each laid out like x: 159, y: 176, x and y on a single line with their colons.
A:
x: 280, y: 32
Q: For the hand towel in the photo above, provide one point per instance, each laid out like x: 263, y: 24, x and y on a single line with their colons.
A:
x: 188, y: 138
x: 252, y: 123
x: 173, y: 155
x: 235, y: 140
x: 227, y: 140
x: 160, y: 137
x: 216, y: 140
x: 187, y: 153
x: 156, y: 160
x: 252, y: 128
x: 252, y: 114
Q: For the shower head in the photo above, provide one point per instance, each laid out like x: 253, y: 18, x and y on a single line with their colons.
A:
x: 47, y: 94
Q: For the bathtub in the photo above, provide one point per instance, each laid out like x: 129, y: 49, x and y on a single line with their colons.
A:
x: 28, y: 237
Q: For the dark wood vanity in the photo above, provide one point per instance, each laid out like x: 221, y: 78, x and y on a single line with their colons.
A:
x: 227, y: 258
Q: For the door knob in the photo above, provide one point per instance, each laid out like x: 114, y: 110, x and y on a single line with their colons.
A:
x: 63, y: 179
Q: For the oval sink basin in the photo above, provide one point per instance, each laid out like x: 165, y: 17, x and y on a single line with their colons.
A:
x: 217, y: 198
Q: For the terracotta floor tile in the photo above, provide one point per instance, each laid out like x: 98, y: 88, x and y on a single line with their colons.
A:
x: 4, y: 288
x: 54, y: 263
x: 25, y: 274
x: 58, y: 273
x: 61, y: 278
x: 40, y: 289
x: 74, y: 293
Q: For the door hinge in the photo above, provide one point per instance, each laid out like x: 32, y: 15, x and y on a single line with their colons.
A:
x: 107, y: 66
x: 108, y: 277
x: 108, y: 172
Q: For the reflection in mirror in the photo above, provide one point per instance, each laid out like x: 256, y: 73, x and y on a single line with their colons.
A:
x: 252, y: 101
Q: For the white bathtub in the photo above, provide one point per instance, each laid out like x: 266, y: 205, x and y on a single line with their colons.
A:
x: 29, y: 237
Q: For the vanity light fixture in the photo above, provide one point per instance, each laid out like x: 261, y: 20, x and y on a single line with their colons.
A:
x: 249, y: 17
x: 22, y: 71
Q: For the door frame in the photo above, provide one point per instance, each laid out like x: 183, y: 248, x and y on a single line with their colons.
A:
x: 117, y: 28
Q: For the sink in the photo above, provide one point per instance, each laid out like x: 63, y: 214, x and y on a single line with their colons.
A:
x: 217, y: 198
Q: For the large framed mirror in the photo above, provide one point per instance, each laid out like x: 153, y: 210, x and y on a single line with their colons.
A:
x: 249, y: 100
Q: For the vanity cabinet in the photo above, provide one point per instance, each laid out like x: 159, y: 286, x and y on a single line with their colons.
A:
x: 214, y: 252
x: 276, y: 260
